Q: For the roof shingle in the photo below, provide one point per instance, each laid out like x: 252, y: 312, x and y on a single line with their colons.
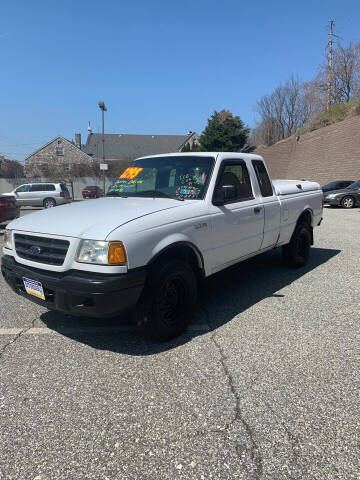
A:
x: 127, y: 147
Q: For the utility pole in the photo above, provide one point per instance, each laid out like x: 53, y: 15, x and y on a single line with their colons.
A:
x: 103, y: 109
x: 329, y: 72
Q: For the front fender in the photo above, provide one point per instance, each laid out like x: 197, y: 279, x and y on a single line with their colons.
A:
x: 177, y: 239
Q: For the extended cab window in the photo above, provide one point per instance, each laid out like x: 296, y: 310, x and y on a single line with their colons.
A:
x: 184, y: 177
x: 263, y: 178
x: 236, y: 175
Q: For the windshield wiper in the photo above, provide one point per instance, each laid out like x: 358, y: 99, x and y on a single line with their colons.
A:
x: 158, y: 193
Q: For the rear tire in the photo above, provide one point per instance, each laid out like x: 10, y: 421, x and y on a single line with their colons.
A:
x: 296, y: 253
x: 348, y: 202
x: 168, y: 301
x: 49, y: 203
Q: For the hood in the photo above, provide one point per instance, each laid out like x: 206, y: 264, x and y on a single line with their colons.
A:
x: 92, y: 219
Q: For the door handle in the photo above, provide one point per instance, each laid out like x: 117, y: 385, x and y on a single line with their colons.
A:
x: 257, y: 209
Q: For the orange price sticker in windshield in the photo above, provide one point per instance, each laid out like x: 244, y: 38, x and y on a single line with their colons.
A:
x: 131, y: 172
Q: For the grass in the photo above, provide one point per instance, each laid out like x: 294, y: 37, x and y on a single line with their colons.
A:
x: 336, y: 113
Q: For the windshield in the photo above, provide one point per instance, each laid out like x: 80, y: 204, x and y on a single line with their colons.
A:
x: 330, y: 186
x: 354, y: 186
x: 184, y: 177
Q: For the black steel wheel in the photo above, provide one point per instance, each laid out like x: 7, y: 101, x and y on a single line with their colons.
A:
x: 297, y: 252
x: 168, y: 301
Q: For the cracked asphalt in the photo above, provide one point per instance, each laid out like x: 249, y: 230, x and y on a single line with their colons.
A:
x: 263, y: 385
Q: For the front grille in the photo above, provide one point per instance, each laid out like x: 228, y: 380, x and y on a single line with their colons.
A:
x: 50, y: 251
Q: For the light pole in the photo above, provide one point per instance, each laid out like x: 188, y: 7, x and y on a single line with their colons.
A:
x: 103, y: 109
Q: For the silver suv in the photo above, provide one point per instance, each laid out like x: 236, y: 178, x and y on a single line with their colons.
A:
x: 45, y: 195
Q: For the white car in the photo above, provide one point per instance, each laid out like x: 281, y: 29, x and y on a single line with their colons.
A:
x: 167, y: 223
x: 45, y: 195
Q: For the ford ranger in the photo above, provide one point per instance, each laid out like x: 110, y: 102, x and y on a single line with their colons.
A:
x: 167, y: 223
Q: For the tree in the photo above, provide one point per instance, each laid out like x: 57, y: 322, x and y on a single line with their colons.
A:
x: 224, y: 133
x: 345, y: 74
x: 293, y: 104
x: 283, y: 111
x: 10, y: 168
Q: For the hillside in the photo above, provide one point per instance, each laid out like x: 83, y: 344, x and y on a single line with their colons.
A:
x: 337, y: 113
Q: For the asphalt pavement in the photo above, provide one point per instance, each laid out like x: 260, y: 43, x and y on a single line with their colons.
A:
x: 263, y: 385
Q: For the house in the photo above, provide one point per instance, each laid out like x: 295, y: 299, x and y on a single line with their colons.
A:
x: 61, y: 153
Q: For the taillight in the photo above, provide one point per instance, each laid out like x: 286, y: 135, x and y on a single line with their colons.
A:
x: 62, y: 195
x: 3, y: 202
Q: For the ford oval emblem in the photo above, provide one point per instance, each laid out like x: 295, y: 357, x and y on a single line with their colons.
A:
x: 34, y: 250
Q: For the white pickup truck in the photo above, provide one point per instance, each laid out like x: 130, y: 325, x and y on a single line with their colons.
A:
x: 168, y: 222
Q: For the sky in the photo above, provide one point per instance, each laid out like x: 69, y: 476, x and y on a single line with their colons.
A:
x: 161, y: 67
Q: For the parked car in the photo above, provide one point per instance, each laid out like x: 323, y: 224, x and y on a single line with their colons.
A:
x: 337, y: 185
x: 168, y: 222
x: 9, y: 209
x: 347, y: 198
x: 92, y: 192
x: 45, y: 195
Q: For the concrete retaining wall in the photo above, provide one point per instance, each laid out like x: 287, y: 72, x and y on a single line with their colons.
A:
x: 330, y: 153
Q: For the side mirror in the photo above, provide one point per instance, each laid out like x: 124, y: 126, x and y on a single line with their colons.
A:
x: 225, y: 193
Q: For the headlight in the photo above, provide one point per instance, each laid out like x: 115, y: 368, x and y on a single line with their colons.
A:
x: 101, y: 253
x: 333, y: 195
x: 8, y: 239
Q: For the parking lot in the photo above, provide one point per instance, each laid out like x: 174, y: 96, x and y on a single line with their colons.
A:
x: 263, y: 385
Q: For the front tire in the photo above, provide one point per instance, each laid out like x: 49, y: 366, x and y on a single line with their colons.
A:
x: 168, y: 301
x: 297, y: 252
x: 348, y: 202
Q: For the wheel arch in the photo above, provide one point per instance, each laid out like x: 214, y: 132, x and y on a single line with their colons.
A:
x: 49, y: 198
x: 180, y: 249
x: 307, y: 216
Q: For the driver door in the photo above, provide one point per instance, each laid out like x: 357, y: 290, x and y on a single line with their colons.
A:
x: 22, y: 194
x: 237, y: 225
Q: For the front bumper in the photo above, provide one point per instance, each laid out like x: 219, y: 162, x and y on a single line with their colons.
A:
x: 332, y: 201
x: 77, y: 292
